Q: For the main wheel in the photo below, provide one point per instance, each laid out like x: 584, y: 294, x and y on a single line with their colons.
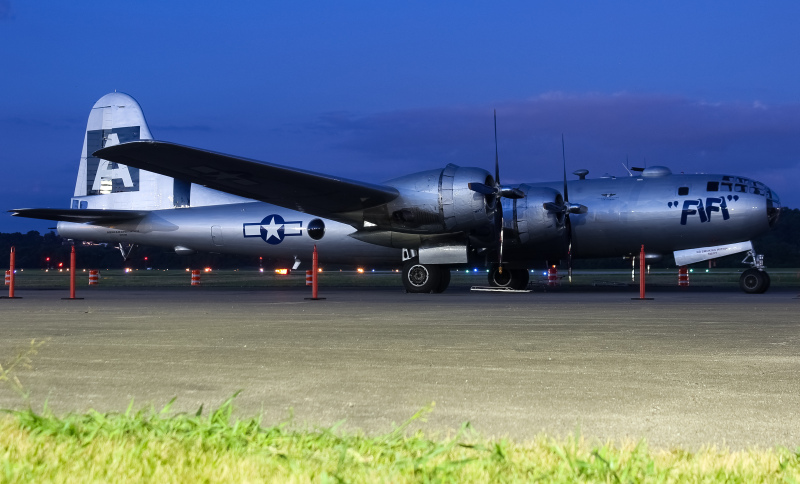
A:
x: 444, y: 279
x: 754, y: 281
x: 419, y: 278
x: 510, y: 278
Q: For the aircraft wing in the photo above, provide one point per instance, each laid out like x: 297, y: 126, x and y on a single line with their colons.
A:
x: 315, y: 193
x: 99, y: 217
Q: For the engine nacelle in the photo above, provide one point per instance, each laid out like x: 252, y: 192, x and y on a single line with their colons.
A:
x: 437, y: 201
x: 538, y: 233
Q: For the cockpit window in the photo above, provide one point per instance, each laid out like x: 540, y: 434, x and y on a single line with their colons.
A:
x: 712, y: 186
x: 683, y: 191
x: 726, y: 187
x: 740, y: 188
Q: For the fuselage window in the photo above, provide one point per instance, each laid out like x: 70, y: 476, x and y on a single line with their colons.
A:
x: 726, y: 187
x: 683, y: 191
x: 712, y: 186
x: 740, y: 188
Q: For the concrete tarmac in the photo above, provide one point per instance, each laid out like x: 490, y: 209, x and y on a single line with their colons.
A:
x: 689, y: 368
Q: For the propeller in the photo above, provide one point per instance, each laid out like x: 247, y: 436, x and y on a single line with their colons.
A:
x: 563, y: 210
x: 497, y: 191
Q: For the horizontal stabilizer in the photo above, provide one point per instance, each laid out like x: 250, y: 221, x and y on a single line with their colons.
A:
x: 304, y: 191
x: 100, y: 217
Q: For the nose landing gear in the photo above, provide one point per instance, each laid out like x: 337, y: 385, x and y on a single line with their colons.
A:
x: 754, y: 280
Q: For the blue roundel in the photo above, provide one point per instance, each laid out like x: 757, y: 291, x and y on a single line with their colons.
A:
x: 273, y: 229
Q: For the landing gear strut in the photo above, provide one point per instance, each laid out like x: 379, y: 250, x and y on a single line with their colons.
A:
x: 425, y: 278
x: 754, y: 280
x: 511, y: 278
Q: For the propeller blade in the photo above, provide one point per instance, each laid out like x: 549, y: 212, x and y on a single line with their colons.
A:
x: 564, y: 159
x: 481, y: 188
x: 496, y: 157
x: 513, y: 193
x: 499, y: 220
x: 553, y: 207
x: 569, y: 250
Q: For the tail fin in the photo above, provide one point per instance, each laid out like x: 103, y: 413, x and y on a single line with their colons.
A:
x: 118, y: 118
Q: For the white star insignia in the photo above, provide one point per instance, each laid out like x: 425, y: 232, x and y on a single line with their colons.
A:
x: 272, y: 229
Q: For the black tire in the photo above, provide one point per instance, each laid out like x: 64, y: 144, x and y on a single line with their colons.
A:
x: 444, y: 279
x: 421, y: 278
x: 521, y: 278
x: 510, y: 278
x: 754, y: 281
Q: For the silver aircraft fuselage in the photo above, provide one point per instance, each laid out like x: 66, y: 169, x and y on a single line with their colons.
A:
x: 253, y: 228
x: 663, y: 213
x: 667, y: 213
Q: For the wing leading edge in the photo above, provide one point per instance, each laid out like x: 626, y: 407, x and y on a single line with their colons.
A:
x: 304, y: 191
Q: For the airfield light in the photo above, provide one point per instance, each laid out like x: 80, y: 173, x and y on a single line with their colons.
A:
x: 360, y: 270
x: 691, y: 270
x: 282, y: 272
x: 706, y: 270
x: 47, y: 259
x: 319, y: 269
x: 127, y: 269
x: 60, y: 264
x: 207, y: 269
x: 188, y: 270
x: 261, y: 270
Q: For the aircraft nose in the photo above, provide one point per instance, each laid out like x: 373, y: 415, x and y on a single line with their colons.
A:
x: 773, y: 207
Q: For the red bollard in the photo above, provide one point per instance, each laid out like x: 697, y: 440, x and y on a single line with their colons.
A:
x: 314, y: 275
x: 552, y: 276
x: 642, y: 272
x: 683, y: 276
x: 11, y: 278
x: 72, y: 276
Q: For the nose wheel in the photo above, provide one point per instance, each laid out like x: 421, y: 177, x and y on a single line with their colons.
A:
x: 754, y: 280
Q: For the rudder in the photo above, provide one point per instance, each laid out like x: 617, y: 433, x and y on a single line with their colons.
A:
x: 117, y: 118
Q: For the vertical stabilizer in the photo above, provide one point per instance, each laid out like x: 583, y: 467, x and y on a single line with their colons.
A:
x: 117, y: 118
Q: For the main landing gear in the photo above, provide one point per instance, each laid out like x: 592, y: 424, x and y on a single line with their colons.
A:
x: 510, y: 278
x: 754, y: 280
x: 425, y: 278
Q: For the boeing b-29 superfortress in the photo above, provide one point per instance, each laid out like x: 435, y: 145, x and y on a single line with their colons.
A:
x: 132, y: 189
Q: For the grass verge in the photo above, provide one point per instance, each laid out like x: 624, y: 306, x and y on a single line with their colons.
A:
x: 154, y: 446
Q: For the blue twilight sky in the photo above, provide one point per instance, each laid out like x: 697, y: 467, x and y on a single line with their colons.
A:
x: 374, y: 90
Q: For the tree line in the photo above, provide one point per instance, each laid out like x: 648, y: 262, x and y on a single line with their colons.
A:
x: 780, y: 246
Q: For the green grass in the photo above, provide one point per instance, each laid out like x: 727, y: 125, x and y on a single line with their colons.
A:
x: 153, y: 446
x: 150, y: 445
